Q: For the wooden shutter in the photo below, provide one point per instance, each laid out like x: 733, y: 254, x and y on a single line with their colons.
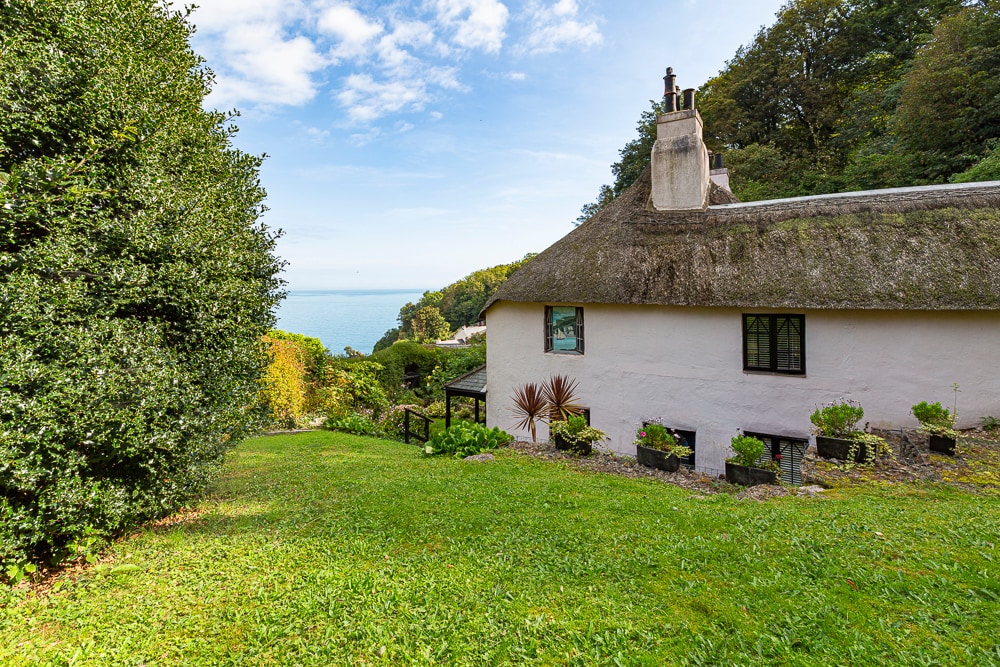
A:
x: 789, y: 343
x: 757, y: 342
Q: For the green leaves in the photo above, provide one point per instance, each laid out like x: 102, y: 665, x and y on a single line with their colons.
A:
x: 136, y: 278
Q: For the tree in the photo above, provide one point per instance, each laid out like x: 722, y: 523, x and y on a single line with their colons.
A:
x: 429, y: 325
x: 136, y: 279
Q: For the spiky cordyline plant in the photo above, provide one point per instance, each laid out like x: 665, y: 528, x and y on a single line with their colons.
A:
x: 531, y: 405
x: 560, y: 394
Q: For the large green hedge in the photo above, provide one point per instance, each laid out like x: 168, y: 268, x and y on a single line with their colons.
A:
x: 135, y: 277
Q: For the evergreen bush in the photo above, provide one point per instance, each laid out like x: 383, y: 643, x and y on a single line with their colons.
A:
x: 135, y: 279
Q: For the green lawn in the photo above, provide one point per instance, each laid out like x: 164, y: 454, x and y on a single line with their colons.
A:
x: 330, y: 549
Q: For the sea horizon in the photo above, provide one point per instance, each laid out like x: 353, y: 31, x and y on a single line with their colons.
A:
x: 339, y: 318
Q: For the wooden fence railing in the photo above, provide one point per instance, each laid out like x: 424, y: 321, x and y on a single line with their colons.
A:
x: 407, y: 433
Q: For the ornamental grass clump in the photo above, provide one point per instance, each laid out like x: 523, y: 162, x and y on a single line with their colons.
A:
x: 657, y: 436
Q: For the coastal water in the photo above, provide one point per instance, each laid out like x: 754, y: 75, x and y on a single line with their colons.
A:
x: 339, y: 318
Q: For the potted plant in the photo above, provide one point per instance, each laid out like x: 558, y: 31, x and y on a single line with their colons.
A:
x: 656, y: 447
x: 938, y: 423
x: 836, y: 423
x: 838, y: 436
x: 575, y: 435
x: 744, y: 468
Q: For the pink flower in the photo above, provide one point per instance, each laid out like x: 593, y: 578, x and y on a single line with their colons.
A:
x: 642, y: 434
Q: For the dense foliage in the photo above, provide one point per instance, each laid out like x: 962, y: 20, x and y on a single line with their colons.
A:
x: 439, y: 312
x: 135, y: 279
x: 464, y: 439
x: 841, y: 95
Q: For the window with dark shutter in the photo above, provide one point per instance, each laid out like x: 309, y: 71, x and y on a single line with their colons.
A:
x: 788, y: 452
x: 774, y: 343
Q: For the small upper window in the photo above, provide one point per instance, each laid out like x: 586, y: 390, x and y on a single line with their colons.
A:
x: 564, y: 329
x: 775, y: 343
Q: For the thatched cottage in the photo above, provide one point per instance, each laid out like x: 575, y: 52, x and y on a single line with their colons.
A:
x: 720, y: 316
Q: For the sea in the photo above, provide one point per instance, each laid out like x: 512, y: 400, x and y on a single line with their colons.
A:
x: 344, y: 318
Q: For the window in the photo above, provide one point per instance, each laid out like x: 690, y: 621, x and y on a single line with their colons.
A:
x: 775, y: 343
x: 564, y: 329
x: 790, y: 450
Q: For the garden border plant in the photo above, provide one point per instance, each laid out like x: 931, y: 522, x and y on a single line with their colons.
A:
x: 838, y: 436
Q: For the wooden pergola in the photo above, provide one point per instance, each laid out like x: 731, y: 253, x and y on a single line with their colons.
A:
x: 472, y: 385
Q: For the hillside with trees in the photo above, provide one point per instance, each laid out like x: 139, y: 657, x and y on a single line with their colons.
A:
x: 845, y: 95
x: 438, y: 313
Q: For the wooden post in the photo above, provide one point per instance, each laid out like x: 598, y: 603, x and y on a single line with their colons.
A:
x: 447, y: 410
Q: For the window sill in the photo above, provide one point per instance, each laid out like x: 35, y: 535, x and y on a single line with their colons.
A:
x: 775, y: 373
x: 572, y: 353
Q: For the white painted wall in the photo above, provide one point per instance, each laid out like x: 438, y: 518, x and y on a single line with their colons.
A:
x: 685, y: 365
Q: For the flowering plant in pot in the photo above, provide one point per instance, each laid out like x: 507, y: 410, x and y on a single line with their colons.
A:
x: 744, y: 467
x: 938, y: 423
x: 657, y: 447
x: 838, y: 435
x: 574, y: 434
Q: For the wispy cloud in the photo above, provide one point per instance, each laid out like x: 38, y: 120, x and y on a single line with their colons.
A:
x: 556, y: 26
x: 474, y: 24
x: 377, y: 59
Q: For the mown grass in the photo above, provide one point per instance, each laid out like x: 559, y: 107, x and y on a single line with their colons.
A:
x: 324, y: 548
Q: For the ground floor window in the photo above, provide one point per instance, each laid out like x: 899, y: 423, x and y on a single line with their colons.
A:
x: 788, y: 452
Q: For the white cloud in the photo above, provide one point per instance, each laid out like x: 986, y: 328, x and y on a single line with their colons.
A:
x: 555, y: 26
x: 253, y: 57
x: 367, y: 99
x: 436, y: 115
x: 476, y: 24
x: 363, y: 138
x: 350, y: 28
x: 381, y: 58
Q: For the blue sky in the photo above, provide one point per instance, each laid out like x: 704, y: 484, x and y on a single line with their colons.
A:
x: 411, y: 143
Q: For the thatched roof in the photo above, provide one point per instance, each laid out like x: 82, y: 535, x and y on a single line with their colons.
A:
x: 928, y: 248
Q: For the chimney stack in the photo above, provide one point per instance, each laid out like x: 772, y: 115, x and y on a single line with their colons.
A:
x: 680, y: 163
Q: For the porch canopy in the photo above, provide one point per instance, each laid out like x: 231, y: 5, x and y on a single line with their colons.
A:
x: 473, y: 385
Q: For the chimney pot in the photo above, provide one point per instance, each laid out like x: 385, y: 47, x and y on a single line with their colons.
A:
x: 688, y: 99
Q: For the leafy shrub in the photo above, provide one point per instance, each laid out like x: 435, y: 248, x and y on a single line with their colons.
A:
x: 136, y: 280
x: 464, y: 439
x: 934, y: 419
x: 576, y: 432
x: 284, y: 383
x: 657, y: 436
x: 354, y: 389
x: 990, y: 423
x: 838, y: 419
x: 355, y: 423
x: 394, y: 421
x: 748, y: 450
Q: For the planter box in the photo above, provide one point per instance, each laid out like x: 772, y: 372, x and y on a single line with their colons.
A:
x: 562, y: 444
x: 744, y: 476
x: 942, y: 444
x: 839, y: 448
x: 654, y: 458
